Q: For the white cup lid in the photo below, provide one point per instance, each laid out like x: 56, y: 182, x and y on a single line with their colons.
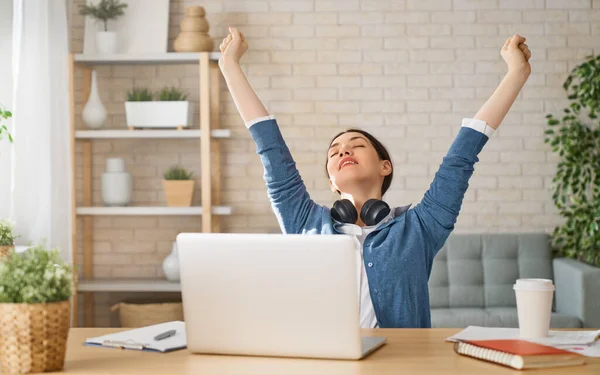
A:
x: 533, y: 284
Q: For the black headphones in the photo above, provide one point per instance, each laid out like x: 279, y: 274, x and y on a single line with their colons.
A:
x: 371, y: 213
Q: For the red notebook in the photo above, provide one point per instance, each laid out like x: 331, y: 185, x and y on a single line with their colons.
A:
x: 519, y: 354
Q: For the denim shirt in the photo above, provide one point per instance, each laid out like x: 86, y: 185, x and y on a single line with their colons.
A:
x: 398, y: 255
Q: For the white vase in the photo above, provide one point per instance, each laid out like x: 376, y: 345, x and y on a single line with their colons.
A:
x: 106, y: 42
x: 116, y: 183
x: 171, y: 264
x: 94, y: 114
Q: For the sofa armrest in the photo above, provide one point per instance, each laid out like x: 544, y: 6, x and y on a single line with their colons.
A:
x: 577, y: 290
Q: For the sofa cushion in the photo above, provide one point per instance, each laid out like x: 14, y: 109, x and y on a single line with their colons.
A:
x: 479, y: 270
x: 492, y: 317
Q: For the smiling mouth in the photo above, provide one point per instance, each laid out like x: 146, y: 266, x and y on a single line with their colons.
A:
x: 347, y: 162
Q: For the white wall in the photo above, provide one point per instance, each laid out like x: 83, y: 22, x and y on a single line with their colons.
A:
x: 6, y: 14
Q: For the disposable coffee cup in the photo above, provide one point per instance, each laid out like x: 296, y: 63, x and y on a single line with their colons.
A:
x: 534, y: 306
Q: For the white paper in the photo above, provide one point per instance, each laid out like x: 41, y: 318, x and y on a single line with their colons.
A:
x: 145, y: 336
x: 555, y: 338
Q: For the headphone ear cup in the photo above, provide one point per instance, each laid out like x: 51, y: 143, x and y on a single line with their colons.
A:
x: 343, y: 210
x: 373, y: 211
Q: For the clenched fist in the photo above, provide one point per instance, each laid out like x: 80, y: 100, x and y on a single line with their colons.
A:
x: 233, y: 47
x: 516, y: 54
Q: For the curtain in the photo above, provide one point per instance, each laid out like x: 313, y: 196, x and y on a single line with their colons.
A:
x: 40, y: 173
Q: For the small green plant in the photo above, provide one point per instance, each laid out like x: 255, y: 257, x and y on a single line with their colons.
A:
x: 36, y: 276
x: 177, y: 172
x: 4, y: 115
x: 103, y: 11
x: 171, y: 94
x: 7, y: 236
x: 139, y: 95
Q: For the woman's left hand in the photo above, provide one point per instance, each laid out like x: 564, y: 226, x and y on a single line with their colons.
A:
x: 516, y: 54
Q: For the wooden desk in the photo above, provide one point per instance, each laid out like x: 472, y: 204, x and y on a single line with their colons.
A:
x: 410, y: 351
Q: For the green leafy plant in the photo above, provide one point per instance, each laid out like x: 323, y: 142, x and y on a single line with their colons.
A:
x: 4, y: 115
x: 576, y: 184
x: 171, y: 94
x: 36, y: 276
x: 7, y: 236
x: 177, y: 172
x: 139, y: 95
x: 103, y: 11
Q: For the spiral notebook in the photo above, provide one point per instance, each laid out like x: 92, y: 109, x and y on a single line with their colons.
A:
x: 518, y: 354
x: 144, y: 338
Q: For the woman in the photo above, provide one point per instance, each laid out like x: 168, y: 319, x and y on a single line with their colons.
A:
x: 397, y: 245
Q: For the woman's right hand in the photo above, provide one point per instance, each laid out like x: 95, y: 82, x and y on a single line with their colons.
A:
x: 232, y: 48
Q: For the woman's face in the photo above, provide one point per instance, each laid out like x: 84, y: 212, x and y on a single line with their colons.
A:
x: 352, y: 161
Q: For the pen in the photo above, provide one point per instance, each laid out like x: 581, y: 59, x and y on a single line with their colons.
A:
x: 165, y: 335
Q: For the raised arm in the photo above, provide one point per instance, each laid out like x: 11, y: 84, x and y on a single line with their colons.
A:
x: 247, y: 102
x: 439, y: 209
x: 289, y: 198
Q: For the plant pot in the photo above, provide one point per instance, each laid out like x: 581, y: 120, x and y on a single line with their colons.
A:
x: 33, y: 337
x: 158, y: 114
x: 5, y: 250
x: 179, y: 193
x: 106, y: 42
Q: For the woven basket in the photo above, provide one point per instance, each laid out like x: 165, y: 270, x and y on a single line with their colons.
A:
x: 133, y: 315
x: 33, y: 337
x: 5, y: 250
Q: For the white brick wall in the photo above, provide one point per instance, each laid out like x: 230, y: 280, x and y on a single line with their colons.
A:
x: 406, y: 70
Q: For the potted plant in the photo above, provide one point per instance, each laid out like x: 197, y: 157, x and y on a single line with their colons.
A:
x: 179, y: 186
x: 171, y: 110
x: 576, y: 139
x: 7, y: 238
x: 4, y: 115
x: 103, y: 11
x: 35, y: 288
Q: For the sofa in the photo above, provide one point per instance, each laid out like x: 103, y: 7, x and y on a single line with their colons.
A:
x: 473, y: 274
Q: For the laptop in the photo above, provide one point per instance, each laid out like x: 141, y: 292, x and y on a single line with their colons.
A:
x: 272, y: 295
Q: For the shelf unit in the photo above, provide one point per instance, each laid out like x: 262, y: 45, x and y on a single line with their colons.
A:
x: 209, y: 136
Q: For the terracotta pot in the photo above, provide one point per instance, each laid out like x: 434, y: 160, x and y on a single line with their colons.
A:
x: 33, y: 337
x: 5, y: 250
x: 179, y: 192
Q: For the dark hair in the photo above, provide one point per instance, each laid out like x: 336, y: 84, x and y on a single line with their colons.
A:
x: 382, y: 152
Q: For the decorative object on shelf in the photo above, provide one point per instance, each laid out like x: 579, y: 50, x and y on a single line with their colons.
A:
x: 171, y: 110
x: 575, y: 137
x: 7, y: 238
x: 35, y: 288
x: 4, y: 115
x: 179, y: 186
x: 116, y: 183
x: 143, y: 29
x: 140, y: 314
x: 103, y: 11
x: 171, y: 264
x: 94, y: 114
x: 193, y: 36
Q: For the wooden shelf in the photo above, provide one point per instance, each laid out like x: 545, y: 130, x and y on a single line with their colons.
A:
x: 151, y: 210
x: 146, y: 58
x: 128, y: 285
x: 157, y: 134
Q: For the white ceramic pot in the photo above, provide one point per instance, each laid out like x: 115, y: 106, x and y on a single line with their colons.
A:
x: 171, y: 264
x: 106, y: 42
x: 157, y: 114
x: 94, y: 114
x: 116, y: 183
